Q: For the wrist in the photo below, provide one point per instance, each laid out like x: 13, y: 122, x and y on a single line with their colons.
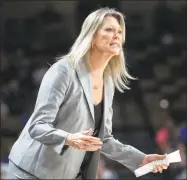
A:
x: 68, y: 140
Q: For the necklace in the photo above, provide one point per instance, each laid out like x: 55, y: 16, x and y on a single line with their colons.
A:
x: 94, y: 74
x: 96, y: 87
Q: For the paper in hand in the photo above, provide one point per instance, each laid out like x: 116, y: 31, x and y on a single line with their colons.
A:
x: 170, y: 158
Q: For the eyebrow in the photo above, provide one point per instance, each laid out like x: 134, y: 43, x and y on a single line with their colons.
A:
x: 114, y: 27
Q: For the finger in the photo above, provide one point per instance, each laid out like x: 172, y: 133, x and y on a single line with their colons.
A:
x: 89, y: 148
x: 93, y: 148
x: 96, y: 145
x: 85, y: 145
x: 88, y: 132
x: 92, y: 145
x: 89, y: 145
x: 154, y: 170
x: 75, y: 146
x: 164, y: 166
x: 154, y: 157
x: 95, y: 139
x: 160, y: 157
x: 159, y: 168
x: 91, y: 139
x: 78, y: 144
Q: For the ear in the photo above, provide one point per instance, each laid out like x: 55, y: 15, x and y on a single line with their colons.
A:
x: 92, y: 44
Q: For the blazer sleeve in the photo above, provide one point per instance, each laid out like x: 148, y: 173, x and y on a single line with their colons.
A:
x: 115, y: 150
x: 51, y: 94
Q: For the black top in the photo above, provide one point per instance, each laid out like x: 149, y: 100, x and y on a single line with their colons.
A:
x: 98, y: 113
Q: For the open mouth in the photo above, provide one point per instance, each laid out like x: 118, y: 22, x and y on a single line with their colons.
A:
x: 115, y: 44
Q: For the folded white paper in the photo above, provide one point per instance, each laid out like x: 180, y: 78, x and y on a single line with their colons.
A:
x: 170, y: 158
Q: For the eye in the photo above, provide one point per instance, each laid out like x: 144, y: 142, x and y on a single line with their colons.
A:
x: 109, y: 29
x: 120, y: 31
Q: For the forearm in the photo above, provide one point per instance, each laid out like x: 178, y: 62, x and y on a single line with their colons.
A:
x: 115, y: 150
x: 124, y: 154
x: 50, y: 96
x: 49, y: 136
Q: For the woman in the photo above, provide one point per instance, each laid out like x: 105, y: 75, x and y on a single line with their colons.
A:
x: 72, y: 120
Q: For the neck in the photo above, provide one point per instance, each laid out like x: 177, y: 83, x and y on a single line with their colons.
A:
x: 99, y: 62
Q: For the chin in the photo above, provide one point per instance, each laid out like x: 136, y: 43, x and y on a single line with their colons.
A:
x: 115, y: 53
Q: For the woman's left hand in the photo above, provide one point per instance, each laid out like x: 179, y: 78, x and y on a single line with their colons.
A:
x: 154, y: 157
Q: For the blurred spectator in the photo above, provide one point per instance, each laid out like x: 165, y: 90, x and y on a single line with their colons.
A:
x: 166, y: 136
x: 3, y: 60
x: 86, y: 7
x: 12, y: 34
x: 183, y: 133
x: 49, y: 15
x: 164, y: 19
x: 181, y: 20
x: 167, y: 39
x: 180, y: 170
x: 4, y: 171
x: 4, y: 160
x: 54, y: 30
x: 168, y: 141
x: 4, y: 111
x: 38, y: 75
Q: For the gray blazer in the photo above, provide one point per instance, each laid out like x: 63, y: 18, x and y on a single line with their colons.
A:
x: 64, y: 105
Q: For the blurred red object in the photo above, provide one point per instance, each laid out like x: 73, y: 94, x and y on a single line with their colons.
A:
x: 162, y: 136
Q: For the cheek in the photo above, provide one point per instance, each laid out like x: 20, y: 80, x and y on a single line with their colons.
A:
x: 120, y: 38
x: 105, y: 39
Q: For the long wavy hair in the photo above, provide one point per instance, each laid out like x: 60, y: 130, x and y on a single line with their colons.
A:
x: 116, y: 68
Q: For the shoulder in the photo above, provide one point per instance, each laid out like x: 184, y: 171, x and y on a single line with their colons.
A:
x: 61, y: 67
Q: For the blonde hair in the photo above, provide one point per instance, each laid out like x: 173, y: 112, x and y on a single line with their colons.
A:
x: 117, y: 65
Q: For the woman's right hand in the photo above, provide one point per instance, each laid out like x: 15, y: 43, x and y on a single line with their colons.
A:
x: 84, y: 141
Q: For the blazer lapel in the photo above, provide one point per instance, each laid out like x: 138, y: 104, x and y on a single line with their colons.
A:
x: 83, y: 75
x: 108, y: 96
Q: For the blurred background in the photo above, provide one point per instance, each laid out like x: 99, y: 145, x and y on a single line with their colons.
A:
x: 151, y: 116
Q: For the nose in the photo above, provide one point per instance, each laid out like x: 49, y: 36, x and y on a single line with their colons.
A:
x: 116, y: 35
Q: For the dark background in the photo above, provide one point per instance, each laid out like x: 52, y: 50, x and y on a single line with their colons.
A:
x: 151, y: 116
